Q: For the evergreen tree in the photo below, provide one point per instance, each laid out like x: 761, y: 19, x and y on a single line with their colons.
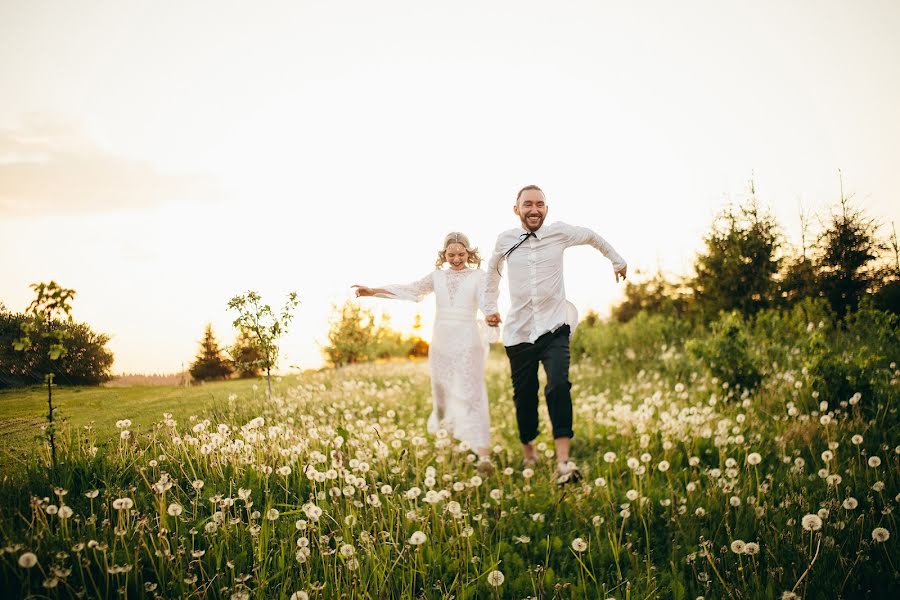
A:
x: 849, y: 247
x: 738, y: 268
x: 246, y: 355
x: 210, y: 364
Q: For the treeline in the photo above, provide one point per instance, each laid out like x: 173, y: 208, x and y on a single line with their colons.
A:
x: 756, y: 308
x: 355, y: 335
x: 747, y: 265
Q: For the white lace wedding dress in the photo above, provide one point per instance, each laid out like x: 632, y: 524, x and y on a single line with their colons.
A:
x: 457, y: 352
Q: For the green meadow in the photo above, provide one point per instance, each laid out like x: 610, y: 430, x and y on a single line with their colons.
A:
x: 695, y: 487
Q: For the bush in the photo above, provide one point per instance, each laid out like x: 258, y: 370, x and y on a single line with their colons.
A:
x: 86, y: 362
x: 635, y: 344
x: 726, y: 351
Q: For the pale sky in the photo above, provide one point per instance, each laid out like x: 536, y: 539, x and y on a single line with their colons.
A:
x: 161, y: 157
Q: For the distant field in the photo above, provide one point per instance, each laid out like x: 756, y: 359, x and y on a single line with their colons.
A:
x: 23, y: 412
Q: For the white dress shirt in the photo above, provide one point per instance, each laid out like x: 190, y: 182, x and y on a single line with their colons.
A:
x: 536, y: 287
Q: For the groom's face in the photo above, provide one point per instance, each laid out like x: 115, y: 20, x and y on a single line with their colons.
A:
x: 531, y: 209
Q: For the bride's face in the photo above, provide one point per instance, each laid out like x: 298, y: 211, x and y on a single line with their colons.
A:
x: 456, y: 255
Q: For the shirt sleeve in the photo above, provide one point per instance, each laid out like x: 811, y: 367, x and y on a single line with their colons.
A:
x: 413, y: 292
x: 491, y: 288
x: 581, y: 236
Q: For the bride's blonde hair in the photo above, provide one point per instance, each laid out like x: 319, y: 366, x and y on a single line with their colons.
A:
x: 455, y: 237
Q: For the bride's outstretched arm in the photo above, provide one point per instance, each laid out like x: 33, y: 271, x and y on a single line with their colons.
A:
x: 414, y: 291
x: 362, y: 290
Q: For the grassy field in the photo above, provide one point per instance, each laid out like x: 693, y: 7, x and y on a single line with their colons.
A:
x: 23, y: 412
x: 332, y: 489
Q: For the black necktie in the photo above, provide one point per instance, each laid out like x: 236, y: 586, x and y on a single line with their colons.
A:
x: 521, y: 241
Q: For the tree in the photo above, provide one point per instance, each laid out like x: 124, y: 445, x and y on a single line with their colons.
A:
x: 52, y: 302
x: 655, y: 295
x: 246, y: 355
x: 209, y: 363
x: 738, y: 268
x: 85, y: 362
x: 261, y: 321
x: 848, y: 248
x: 799, y: 279
x: 350, y: 334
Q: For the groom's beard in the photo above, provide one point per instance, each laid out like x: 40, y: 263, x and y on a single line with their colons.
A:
x: 528, y: 227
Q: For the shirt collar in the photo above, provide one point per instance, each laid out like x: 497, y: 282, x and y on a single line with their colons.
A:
x: 539, y: 234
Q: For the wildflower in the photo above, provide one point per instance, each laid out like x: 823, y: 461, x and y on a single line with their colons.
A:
x: 632, y: 495
x: 874, y: 461
x: 284, y: 471
x: 811, y: 523
x: 51, y: 509
x: 751, y: 548
x: 527, y: 473
x: 579, y: 545
x: 700, y: 512
x: 175, y: 509
x: 827, y: 455
x: 738, y: 546
x: 663, y: 466
x: 347, y: 551
x: 857, y: 439
x: 495, y: 578
x: 272, y: 514
x: 312, y: 511
x: 880, y: 534
x: 850, y: 503
x: 123, y: 503
x: 301, y: 595
x: 92, y: 494
x: 789, y: 596
x: 610, y: 457
x: 734, y: 501
x: 417, y: 538
x: 28, y: 560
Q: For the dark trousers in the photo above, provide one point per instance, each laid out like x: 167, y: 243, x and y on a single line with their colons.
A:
x: 551, y: 350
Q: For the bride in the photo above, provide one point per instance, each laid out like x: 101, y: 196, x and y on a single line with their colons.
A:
x: 458, y: 344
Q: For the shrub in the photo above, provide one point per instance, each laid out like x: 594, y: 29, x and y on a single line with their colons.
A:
x: 726, y: 352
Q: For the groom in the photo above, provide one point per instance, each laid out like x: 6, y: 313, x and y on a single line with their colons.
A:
x: 538, y: 327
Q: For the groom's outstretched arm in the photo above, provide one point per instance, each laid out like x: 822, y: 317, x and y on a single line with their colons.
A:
x: 579, y: 236
x: 492, y: 287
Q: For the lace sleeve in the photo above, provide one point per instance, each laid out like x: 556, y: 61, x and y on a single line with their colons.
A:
x: 413, y: 292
